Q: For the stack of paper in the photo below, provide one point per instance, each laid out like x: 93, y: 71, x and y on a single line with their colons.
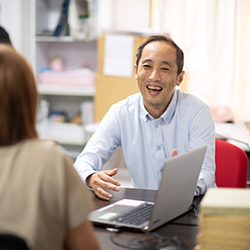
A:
x: 224, y: 220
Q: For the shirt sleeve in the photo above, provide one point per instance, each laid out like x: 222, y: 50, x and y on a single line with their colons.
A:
x: 100, y: 147
x: 202, y: 132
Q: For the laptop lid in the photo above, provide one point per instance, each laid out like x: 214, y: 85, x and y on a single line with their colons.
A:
x: 174, y: 196
x: 177, y: 187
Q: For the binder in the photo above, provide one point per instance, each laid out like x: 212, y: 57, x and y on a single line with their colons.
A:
x: 62, y: 26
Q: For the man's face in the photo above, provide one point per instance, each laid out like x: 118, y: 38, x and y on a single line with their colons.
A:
x: 157, y: 76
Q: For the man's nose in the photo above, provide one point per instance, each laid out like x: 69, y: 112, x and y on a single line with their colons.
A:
x: 155, y: 75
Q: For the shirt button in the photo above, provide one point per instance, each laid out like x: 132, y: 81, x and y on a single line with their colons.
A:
x: 161, y: 169
x: 156, y: 125
x: 158, y: 147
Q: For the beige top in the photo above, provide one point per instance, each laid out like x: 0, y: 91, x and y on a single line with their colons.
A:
x: 41, y: 195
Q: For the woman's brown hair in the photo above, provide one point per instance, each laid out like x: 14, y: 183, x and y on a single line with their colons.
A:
x: 18, y: 98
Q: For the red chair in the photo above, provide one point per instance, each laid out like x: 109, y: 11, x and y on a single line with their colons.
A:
x: 231, y: 165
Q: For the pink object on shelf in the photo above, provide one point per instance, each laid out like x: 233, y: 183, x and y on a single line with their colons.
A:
x: 222, y: 114
x: 57, y: 64
x: 79, y: 77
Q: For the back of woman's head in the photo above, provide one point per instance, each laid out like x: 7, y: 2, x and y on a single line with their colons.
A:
x: 18, y: 98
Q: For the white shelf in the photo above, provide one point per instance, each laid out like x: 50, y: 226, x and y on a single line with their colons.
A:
x: 76, y: 54
x: 60, y: 39
x: 63, y: 133
x: 54, y: 39
x: 66, y: 90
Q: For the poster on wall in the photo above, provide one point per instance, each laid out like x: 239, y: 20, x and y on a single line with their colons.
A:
x: 118, y: 55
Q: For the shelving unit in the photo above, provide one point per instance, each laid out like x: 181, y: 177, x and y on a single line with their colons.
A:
x: 54, y: 39
x: 75, y: 54
x: 66, y: 91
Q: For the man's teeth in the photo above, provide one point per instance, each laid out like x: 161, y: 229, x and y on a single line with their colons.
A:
x: 154, y: 88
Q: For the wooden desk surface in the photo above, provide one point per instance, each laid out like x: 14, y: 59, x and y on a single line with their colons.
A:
x: 187, y: 234
x: 184, y: 227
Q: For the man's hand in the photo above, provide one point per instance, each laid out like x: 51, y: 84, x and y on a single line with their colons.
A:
x: 103, y: 179
x: 174, y: 152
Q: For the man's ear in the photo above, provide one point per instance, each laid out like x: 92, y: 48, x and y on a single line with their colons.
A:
x: 180, y: 78
x: 135, y: 71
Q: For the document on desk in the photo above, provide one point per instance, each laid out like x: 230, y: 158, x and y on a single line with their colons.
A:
x: 236, y: 133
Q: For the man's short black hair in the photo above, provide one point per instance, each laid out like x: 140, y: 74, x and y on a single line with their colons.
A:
x: 168, y: 40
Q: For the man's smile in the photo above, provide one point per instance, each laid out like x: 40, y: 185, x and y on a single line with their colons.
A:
x: 154, y: 88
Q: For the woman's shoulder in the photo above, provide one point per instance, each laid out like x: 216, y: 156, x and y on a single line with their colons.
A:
x: 45, y: 150
x: 43, y: 144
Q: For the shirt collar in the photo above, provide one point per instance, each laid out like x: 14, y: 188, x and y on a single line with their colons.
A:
x: 167, y: 115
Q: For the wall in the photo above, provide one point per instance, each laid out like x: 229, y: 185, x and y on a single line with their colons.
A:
x: 123, y: 15
x: 15, y: 16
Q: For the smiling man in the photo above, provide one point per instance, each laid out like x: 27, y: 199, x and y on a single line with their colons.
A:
x: 150, y: 126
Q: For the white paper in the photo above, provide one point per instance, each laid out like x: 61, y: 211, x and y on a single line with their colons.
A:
x: 128, y: 202
x: 118, y: 55
x: 231, y: 130
x: 236, y: 133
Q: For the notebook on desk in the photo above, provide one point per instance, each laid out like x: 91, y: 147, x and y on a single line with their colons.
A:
x: 174, y: 197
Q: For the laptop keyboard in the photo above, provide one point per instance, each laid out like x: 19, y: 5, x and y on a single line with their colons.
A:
x: 137, y: 216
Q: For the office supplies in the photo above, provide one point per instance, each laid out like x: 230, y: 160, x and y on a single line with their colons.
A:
x: 174, y: 196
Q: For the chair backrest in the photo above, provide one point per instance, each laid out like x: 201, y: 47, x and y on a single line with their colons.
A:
x: 10, y: 242
x: 231, y: 165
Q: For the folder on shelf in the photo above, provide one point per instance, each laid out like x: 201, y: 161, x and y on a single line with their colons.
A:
x: 62, y: 26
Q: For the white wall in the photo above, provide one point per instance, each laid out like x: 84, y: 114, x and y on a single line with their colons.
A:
x: 11, y: 20
x: 123, y: 14
x: 15, y: 17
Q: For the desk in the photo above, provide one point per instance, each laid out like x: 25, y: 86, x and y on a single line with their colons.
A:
x: 185, y: 226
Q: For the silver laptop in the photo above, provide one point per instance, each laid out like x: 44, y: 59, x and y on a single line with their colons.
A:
x: 174, y: 197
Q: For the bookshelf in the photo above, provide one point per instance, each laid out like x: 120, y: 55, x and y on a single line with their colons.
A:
x: 75, y: 52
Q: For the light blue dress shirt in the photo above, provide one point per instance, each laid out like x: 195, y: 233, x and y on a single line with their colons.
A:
x: 147, y: 142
